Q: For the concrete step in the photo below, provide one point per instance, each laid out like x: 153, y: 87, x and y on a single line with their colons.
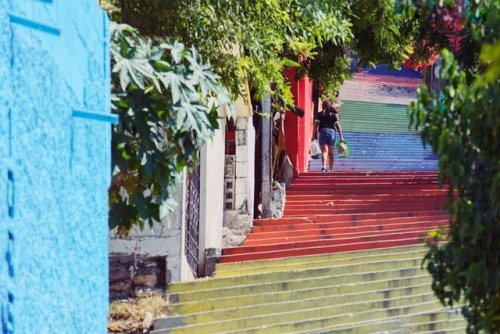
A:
x: 272, y: 313
x: 294, y: 300
x: 330, y: 210
x: 359, y: 116
x: 376, y: 289
x: 345, y: 220
x: 400, y: 266
x: 359, y: 283
x: 313, y: 228
x: 314, y: 318
x: 363, y: 165
x: 333, y: 188
x: 318, y: 261
x: 439, y: 320
x: 341, y: 179
x: 368, y: 200
x: 253, y: 253
x: 393, y: 325
x: 426, y: 174
x: 349, y: 218
x: 338, y: 233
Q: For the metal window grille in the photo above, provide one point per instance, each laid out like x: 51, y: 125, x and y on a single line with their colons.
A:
x: 192, y: 239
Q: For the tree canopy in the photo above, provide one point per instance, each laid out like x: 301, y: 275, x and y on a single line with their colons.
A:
x: 461, y: 123
x: 256, y: 40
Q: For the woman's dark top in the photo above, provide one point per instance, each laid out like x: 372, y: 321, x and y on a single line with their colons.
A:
x: 327, y: 120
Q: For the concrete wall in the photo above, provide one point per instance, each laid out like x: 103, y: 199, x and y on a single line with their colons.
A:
x: 167, y: 238
x: 54, y: 166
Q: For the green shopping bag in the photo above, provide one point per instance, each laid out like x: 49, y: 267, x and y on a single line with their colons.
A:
x: 343, y: 149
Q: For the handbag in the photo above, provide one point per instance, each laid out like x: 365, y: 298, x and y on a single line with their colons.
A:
x: 343, y: 148
x: 314, y: 148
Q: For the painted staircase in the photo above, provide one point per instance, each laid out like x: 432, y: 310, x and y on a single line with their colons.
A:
x: 346, y: 258
x: 347, y: 211
x: 374, y: 291
x: 347, y: 255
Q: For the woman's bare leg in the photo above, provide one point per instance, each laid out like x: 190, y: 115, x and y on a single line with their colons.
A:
x: 330, y: 157
x: 324, y: 155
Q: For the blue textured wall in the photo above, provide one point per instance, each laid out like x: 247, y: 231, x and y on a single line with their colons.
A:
x: 54, y: 166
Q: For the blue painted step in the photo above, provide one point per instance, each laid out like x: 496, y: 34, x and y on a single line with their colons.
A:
x: 385, y: 70
x: 383, y: 152
x: 387, y: 146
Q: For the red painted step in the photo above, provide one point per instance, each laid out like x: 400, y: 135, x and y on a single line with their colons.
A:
x: 280, y: 225
x: 323, y: 242
x: 310, y: 235
x: 271, y: 231
x: 326, y: 213
x: 335, y: 247
x: 345, y: 217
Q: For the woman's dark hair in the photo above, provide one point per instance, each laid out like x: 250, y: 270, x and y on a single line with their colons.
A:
x: 328, y: 108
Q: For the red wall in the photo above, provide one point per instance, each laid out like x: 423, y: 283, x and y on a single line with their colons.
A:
x: 298, y: 131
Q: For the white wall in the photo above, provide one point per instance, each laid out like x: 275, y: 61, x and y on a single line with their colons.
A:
x: 212, y: 161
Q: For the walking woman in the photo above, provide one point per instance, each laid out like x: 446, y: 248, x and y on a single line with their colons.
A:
x: 327, y: 122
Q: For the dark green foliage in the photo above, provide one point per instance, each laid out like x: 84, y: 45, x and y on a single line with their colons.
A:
x: 468, y: 55
x: 243, y: 40
x: 377, y: 29
x: 462, y: 124
x: 167, y: 101
x: 257, y: 40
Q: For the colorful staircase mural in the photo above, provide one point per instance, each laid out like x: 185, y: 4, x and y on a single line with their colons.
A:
x: 347, y: 255
x: 374, y: 119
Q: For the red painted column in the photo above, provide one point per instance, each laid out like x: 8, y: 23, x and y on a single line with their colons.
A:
x: 298, y: 130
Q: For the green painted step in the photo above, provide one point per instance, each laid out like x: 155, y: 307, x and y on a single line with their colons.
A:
x: 272, y: 315
x: 386, y: 289
x: 338, y: 272
x: 448, y: 331
x: 355, y: 292
x: 443, y: 325
x: 356, y: 283
x: 359, y: 324
x: 317, y: 261
x: 374, y: 299
x: 439, y: 320
x: 374, y: 117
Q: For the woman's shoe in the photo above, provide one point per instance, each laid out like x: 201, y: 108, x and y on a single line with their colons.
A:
x: 323, y: 170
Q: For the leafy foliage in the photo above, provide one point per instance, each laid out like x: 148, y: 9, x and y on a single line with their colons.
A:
x: 462, y: 124
x: 379, y: 36
x: 167, y: 100
x: 377, y: 28
x: 244, y: 40
x: 257, y: 40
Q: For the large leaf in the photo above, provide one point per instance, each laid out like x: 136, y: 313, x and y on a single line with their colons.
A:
x: 165, y: 97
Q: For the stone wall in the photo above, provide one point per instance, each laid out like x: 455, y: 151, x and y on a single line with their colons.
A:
x: 135, y: 275
x: 165, y: 238
x: 55, y: 139
x: 238, y: 214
